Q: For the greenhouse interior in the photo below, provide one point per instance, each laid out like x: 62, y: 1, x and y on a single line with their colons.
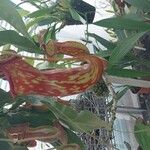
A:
x: 74, y: 74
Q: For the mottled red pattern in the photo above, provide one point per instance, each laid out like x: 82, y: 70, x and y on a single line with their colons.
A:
x: 25, y: 79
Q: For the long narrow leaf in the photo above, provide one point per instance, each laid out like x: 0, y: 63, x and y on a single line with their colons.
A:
x: 4, y: 98
x: 142, y: 4
x: 76, y: 16
x: 101, y: 53
x: 104, y: 42
x: 84, y: 121
x: 41, y: 21
x: 34, y: 4
x: 128, y: 73
x: 123, y: 48
x: 11, y: 15
x: 19, y: 147
x: 120, y: 93
x: 142, y: 134
x: 73, y: 138
x: 33, y: 118
x: 22, y: 11
x: 34, y: 21
x: 12, y: 37
x: 40, y: 13
x: 4, y: 144
x: 137, y: 17
x: 123, y: 23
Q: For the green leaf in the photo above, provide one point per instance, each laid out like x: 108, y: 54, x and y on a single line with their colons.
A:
x: 4, y: 145
x: 40, y: 13
x: 22, y: 12
x: 120, y: 34
x: 50, y: 34
x: 29, y: 61
x: 104, y: 42
x: 128, y: 73
x: 40, y: 21
x: 32, y: 2
x: 137, y: 17
x: 141, y: 4
x: 11, y: 15
x: 66, y: 3
x: 84, y: 121
x: 12, y: 37
x: 119, y: 94
x: 96, y: 49
x: 73, y: 138
x: 142, y: 134
x: 46, y: 65
x: 123, y: 48
x: 5, y: 98
x: 104, y: 53
x: 123, y: 23
x: 76, y: 16
x: 32, y: 117
x: 48, y: 21
x: 19, y: 147
x: 6, y: 47
x: 34, y: 22
x: 101, y: 53
x: 16, y: 104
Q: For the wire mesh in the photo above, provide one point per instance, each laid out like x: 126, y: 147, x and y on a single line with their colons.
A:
x: 103, y: 139
x: 144, y: 100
